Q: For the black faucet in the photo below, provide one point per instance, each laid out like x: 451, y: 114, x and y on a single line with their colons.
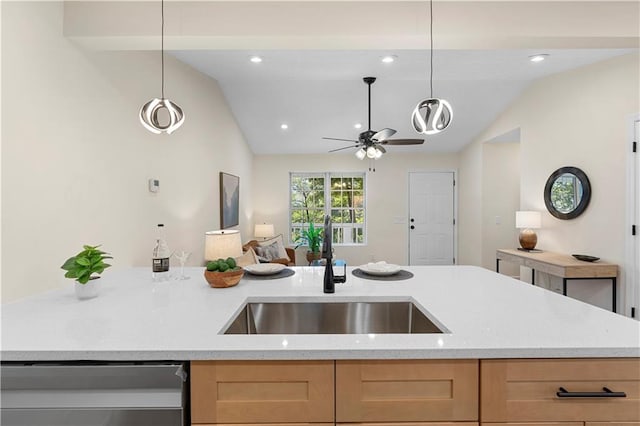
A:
x: 329, y: 285
x: 327, y: 253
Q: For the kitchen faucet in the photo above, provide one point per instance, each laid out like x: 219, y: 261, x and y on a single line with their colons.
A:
x: 327, y: 253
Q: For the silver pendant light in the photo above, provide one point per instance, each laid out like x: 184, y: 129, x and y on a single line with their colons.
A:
x: 431, y: 115
x: 149, y: 111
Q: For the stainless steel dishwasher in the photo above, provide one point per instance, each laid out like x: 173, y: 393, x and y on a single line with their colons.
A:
x: 92, y: 394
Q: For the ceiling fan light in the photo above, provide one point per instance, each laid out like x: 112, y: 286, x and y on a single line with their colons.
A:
x: 378, y: 154
x: 371, y: 152
x: 361, y: 153
x: 431, y: 116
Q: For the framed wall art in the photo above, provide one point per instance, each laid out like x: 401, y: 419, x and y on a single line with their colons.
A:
x: 229, y: 200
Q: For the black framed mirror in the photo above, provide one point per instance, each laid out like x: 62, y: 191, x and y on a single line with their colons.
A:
x: 567, y: 193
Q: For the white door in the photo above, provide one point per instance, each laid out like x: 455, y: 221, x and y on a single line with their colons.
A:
x: 431, y: 218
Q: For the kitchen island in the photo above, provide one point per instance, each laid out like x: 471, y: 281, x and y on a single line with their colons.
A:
x: 484, y: 315
x: 508, y: 352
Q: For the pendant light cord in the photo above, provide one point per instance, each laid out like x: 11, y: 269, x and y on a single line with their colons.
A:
x: 162, y: 45
x: 431, y: 45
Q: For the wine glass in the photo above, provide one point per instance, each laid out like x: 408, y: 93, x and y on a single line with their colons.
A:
x: 182, y: 256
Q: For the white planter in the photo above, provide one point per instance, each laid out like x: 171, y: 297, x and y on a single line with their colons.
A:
x: 88, y: 290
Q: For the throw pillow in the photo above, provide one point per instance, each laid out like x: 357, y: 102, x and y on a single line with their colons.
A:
x: 269, y: 252
x: 279, y: 241
x: 248, y: 258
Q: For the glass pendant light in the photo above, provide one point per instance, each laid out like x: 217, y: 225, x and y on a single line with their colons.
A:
x: 361, y: 153
x: 149, y: 111
x: 431, y: 115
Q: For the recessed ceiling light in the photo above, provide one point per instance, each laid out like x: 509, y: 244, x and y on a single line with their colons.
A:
x: 388, y: 59
x: 255, y: 59
x: 284, y: 126
x: 538, y: 58
x: 358, y: 126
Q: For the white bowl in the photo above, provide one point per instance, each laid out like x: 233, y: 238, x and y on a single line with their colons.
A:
x: 264, y: 268
x: 380, y: 268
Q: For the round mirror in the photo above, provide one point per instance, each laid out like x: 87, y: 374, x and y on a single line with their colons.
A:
x: 567, y: 193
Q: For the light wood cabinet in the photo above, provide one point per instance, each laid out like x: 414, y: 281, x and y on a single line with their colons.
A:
x: 525, y: 390
x: 411, y: 424
x: 406, y: 391
x: 613, y: 423
x: 262, y: 392
x: 515, y: 392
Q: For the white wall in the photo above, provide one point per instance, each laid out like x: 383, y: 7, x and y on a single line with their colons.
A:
x: 577, y: 119
x: 75, y: 159
x: 470, y: 206
x: 387, y: 197
x: 500, y: 199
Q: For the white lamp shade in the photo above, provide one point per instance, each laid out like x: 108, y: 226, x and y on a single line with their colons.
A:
x: 528, y: 220
x: 264, y: 230
x: 222, y: 244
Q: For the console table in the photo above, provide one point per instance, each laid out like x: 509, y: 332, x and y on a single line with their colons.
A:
x: 561, y: 265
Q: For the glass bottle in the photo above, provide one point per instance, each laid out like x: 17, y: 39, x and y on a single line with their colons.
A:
x: 161, y: 256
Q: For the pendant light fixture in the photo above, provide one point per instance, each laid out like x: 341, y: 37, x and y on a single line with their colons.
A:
x: 431, y: 115
x: 149, y: 111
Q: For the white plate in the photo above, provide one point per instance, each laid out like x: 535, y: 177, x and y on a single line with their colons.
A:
x: 264, y: 268
x: 380, y: 268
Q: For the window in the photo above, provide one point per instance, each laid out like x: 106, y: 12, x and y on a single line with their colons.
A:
x: 341, y: 195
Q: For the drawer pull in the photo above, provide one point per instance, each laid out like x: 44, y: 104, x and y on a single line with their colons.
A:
x: 606, y: 393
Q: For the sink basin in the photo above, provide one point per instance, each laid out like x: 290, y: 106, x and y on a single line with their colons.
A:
x: 330, y: 318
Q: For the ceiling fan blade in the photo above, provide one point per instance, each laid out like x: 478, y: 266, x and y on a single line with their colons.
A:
x: 343, y: 140
x: 404, y: 142
x: 346, y: 147
x: 383, y: 135
x: 381, y: 148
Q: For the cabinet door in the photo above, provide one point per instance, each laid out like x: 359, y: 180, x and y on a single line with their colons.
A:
x: 423, y: 424
x: 613, y: 423
x: 262, y: 391
x: 525, y: 390
x: 406, y: 391
x: 536, y: 424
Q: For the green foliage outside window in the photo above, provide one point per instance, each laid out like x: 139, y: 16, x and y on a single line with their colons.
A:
x: 340, y: 195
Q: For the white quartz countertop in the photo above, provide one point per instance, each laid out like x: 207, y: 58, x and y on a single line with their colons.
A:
x: 486, y: 315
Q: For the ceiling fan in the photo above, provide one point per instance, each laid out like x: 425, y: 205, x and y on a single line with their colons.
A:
x: 370, y: 143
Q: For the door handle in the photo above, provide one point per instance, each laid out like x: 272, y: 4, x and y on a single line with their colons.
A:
x: 413, y: 227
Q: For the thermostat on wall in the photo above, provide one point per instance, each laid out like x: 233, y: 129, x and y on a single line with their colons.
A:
x: 154, y: 185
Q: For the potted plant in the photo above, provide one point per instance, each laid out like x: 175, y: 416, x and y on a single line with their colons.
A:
x: 85, y: 267
x: 312, y: 237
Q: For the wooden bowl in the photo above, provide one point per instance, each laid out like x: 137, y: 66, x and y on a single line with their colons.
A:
x: 223, y: 279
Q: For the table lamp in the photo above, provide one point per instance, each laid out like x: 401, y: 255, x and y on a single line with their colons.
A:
x: 264, y: 230
x: 222, y: 244
x: 527, y: 221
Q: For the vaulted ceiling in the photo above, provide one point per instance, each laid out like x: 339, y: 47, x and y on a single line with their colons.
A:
x: 315, y: 54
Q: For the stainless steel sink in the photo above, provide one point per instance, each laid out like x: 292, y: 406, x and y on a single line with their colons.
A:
x: 330, y: 318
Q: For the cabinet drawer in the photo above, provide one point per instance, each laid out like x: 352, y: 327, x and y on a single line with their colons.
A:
x: 406, y: 391
x: 262, y: 392
x: 419, y: 424
x: 525, y: 390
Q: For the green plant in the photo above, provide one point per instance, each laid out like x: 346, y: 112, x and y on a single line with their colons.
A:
x: 83, y: 265
x: 312, y: 237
